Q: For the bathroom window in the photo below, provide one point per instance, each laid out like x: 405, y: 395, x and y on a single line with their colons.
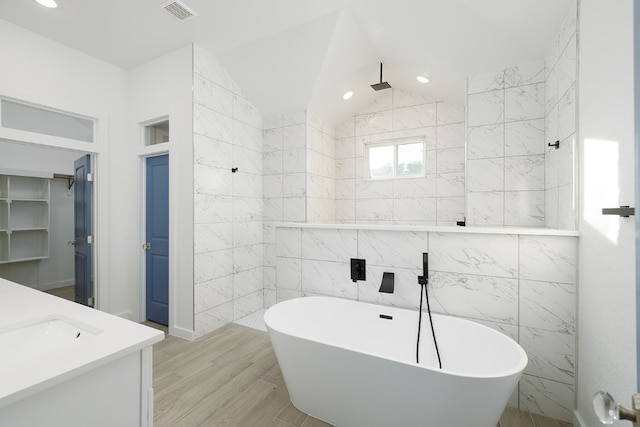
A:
x: 395, y: 159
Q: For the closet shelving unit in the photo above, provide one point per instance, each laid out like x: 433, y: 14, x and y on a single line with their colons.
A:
x: 24, y: 218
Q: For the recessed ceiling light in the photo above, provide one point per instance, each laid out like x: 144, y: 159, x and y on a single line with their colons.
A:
x: 48, y: 3
x: 347, y: 95
x: 422, y: 79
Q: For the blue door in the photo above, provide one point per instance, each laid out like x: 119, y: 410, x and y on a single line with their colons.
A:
x: 157, y: 244
x: 82, y: 231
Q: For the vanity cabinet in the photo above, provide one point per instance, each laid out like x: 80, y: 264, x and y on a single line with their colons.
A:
x: 24, y: 218
x: 66, y: 364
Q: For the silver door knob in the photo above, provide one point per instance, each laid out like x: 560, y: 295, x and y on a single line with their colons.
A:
x: 608, y: 411
x: 146, y: 246
x: 71, y: 243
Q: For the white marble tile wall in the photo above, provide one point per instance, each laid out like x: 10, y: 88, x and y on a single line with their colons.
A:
x: 522, y: 285
x: 560, y: 113
x: 505, y: 153
x: 228, y: 229
x: 299, y: 171
x: 436, y: 199
x: 321, y: 171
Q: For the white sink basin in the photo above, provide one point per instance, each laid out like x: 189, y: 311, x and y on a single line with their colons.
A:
x: 55, y: 334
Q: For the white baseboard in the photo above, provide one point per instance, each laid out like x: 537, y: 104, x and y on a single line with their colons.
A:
x: 55, y: 285
x: 577, y: 420
x: 185, y: 334
x: 125, y: 315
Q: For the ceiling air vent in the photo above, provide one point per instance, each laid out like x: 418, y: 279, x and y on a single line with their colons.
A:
x: 178, y: 10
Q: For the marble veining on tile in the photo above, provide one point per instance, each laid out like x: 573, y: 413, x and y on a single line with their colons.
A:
x: 413, y: 210
x: 485, y: 175
x: 417, y: 116
x: 524, y: 208
x: 485, y: 208
x: 329, y: 245
x: 524, y: 138
x: 523, y: 74
x: 367, y: 124
x: 486, y: 82
x: 524, y: 102
x: 212, y: 124
x: 210, y: 152
x: 486, y: 141
x: 319, y: 277
x: 547, y: 305
x: 548, y: 258
x: 450, y: 136
x: 471, y: 254
x: 551, y: 354
x: 486, y: 108
x: 524, y: 173
x: 549, y: 398
x: 212, y: 293
x: 389, y: 248
x: 450, y: 184
x: 476, y: 297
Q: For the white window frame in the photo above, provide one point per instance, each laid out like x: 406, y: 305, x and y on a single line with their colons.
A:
x: 395, y: 143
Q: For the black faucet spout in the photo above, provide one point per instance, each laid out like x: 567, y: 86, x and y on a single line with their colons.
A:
x: 387, y: 286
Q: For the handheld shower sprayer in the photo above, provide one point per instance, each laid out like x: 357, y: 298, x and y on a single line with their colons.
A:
x: 424, y: 279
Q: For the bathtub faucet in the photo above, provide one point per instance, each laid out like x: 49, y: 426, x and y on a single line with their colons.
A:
x: 424, y: 279
x: 387, y: 284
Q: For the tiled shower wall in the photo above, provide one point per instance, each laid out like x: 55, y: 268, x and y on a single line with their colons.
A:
x: 505, y: 155
x: 321, y: 171
x: 560, y: 108
x: 299, y: 179
x: 513, y: 177
x: 228, y: 231
x: 522, y: 285
x: 436, y: 199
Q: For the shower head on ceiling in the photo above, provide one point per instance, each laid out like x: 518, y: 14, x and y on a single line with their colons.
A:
x: 382, y: 85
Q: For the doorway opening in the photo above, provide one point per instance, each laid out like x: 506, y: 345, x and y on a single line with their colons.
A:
x: 37, y: 225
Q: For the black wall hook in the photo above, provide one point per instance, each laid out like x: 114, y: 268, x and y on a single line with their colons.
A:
x: 554, y: 144
x: 234, y: 170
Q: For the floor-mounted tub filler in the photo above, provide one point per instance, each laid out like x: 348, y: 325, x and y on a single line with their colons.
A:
x: 352, y: 364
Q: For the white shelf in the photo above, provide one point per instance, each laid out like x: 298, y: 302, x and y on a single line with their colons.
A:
x: 24, y: 218
x: 28, y: 214
x: 23, y: 187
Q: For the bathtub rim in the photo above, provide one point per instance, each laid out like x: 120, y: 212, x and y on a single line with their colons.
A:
x: 517, y: 370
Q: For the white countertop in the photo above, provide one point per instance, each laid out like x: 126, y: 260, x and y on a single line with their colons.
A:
x: 111, y: 338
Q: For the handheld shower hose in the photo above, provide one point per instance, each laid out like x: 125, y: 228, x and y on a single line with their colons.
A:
x: 423, y: 281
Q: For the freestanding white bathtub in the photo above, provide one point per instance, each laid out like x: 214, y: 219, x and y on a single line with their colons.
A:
x: 345, y: 364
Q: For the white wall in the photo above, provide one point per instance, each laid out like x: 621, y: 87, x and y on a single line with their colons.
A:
x: 160, y: 88
x: 51, y: 74
x: 606, y: 321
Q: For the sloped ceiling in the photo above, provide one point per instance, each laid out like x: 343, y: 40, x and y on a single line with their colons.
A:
x: 288, y: 55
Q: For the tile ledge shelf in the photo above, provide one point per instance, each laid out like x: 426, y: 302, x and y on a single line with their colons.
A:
x: 435, y: 229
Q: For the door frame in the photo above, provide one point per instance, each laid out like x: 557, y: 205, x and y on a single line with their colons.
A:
x: 636, y: 137
x: 99, y: 301
x: 142, y: 235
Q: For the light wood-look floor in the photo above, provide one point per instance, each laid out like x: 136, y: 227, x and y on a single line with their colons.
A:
x: 231, y: 378
x: 66, y: 292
